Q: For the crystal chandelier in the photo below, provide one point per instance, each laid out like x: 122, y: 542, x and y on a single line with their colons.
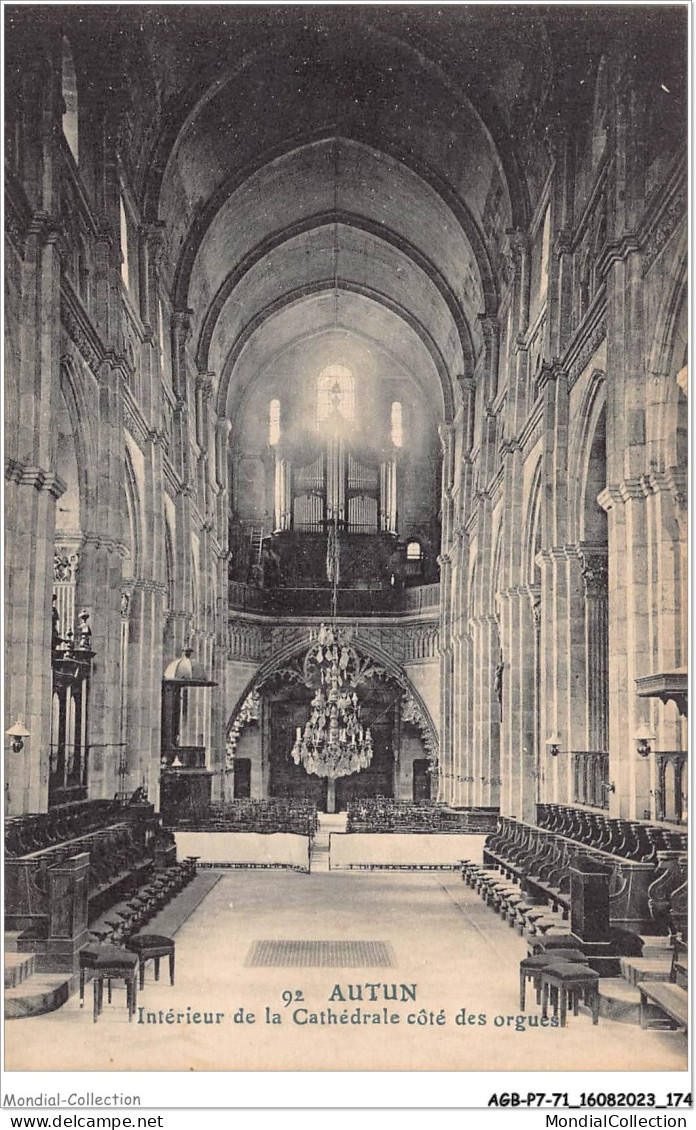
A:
x: 334, y: 742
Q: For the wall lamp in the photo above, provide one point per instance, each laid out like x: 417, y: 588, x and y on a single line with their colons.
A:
x: 18, y: 733
x: 644, y: 739
x: 553, y: 744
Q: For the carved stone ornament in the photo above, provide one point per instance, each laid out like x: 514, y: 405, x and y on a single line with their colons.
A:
x: 249, y: 711
x: 660, y: 232
x: 412, y: 714
x: 595, y: 574
x: 66, y: 563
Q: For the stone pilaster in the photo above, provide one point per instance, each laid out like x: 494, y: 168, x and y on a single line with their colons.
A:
x: 30, y: 502
x: 594, y: 575
x: 490, y: 329
x: 630, y: 654
x: 32, y: 491
x: 445, y: 770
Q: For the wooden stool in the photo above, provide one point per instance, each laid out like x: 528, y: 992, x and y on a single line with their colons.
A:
x: 564, y: 982
x: 99, y: 933
x: 532, y: 968
x: 152, y: 946
x: 113, y: 963
x: 554, y: 942
x: 88, y: 958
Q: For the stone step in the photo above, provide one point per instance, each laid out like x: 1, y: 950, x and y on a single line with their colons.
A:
x: 42, y: 992
x: 635, y: 969
x: 618, y: 1000
x: 18, y: 967
x: 656, y: 945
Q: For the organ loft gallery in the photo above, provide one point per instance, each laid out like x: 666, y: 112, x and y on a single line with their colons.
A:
x: 346, y: 427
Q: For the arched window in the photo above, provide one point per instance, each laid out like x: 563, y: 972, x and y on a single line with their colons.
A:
x: 125, y: 275
x: 69, y: 90
x: 160, y: 326
x: 83, y: 269
x: 600, y: 114
x: 274, y: 422
x: 586, y: 285
x: 414, y: 558
x: 545, y: 247
x: 397, y: 424
x: 335, y: 393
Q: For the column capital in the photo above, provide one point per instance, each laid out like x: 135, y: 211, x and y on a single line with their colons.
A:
x: 594, y: 567
x: 490, y: 326
x: 181, y: 324
x: 563, y: 243
x: 45, y: 226
x: 519, y: 242
x: 204, y: 383
x: 152, y: 233
x: 466, y: 384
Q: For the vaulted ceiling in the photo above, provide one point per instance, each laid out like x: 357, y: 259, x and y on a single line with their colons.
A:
x: 320, y: 168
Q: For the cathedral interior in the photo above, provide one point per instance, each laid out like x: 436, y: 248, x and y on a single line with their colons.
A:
x: 346, y: 467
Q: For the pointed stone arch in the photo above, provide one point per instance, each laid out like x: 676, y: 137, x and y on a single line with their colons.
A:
x: 361, y: 644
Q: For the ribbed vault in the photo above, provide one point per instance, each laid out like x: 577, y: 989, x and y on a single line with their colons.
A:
x: 337, y: 164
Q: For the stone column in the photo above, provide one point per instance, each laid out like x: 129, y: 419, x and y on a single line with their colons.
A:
x: 629, y: 646
x: 444, y: 776
x: 181, y: 446
x: 396, y: 746
x: 445, y: 771
x: 535, y: 609
x: 99, y: 586
x: 459, y: 672
x: 150, y: 249
x: 146, y: 663
x: 490, y: 328
x: 487, y: 768
x: 30, y: 500
x: 32, y: 491
x: 594, y: 575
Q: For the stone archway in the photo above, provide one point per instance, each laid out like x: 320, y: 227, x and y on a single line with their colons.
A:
x: 276, y: 700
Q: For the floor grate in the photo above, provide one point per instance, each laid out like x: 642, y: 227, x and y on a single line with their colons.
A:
x: 332, y: 955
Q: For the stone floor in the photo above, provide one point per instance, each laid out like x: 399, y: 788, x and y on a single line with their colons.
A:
x: 440, y: 937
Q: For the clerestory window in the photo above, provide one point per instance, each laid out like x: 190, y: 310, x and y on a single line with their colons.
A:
x: 335, y: 393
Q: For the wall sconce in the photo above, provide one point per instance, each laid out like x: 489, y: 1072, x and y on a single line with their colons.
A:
x: 553, y: 744
x: 644, y: 739
x: 18, y: 733
x: 177, y: 763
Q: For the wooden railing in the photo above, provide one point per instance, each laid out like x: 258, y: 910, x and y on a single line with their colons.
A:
x: 317, y: 601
